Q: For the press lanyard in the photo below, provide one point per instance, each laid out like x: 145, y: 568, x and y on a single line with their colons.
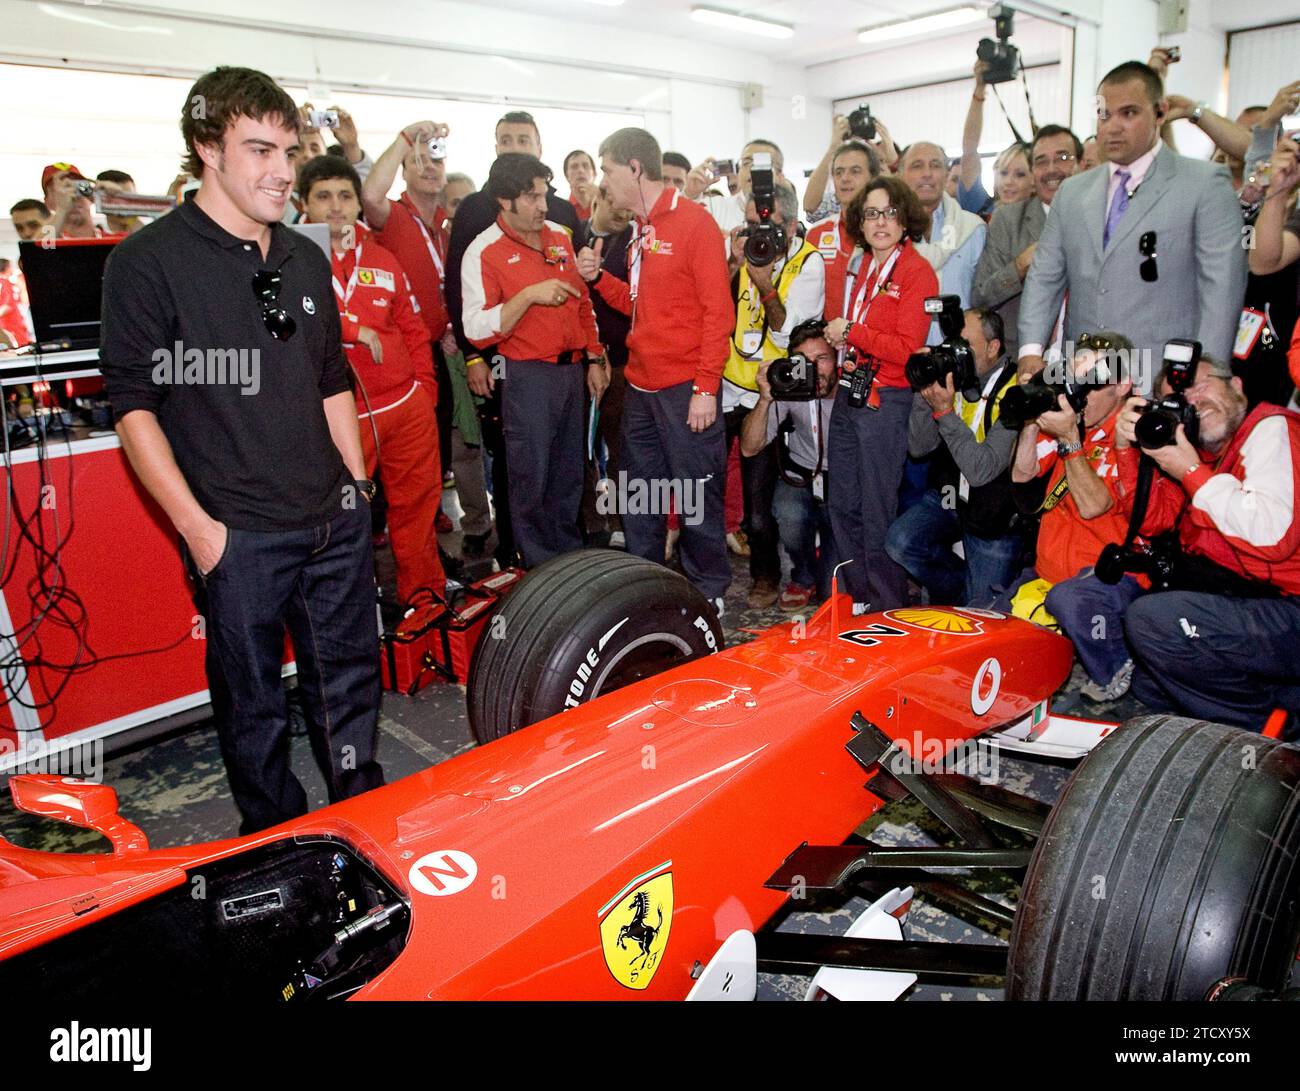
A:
x: 428, y: 239
x: 345, y: 295
x: 862, y: 307
x: 641, y: 235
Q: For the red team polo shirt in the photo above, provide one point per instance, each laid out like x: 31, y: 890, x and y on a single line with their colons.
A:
x: 498, y: 266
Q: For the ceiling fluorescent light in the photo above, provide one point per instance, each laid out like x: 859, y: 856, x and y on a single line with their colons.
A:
x: 743, y: 23
x: 607, y: 3
x: 924, y: 24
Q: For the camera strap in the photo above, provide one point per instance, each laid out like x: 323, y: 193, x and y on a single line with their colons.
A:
x: 1141, y: 498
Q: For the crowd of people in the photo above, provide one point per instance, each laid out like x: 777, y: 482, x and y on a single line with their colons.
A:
x: 842, y: 377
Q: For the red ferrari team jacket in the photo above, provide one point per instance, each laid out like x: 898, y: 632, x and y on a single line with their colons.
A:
x: 832, y: 240
x: 498, y: 266
x: 422, y: 251
x: 1245, y: 504
x: 678, y: 293
x: 889, y: 319
x: 372, y: 290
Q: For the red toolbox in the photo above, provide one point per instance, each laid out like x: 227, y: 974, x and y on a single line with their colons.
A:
x: 443, y: 648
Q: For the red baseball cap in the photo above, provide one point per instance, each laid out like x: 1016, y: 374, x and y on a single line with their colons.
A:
x: 59, y: 168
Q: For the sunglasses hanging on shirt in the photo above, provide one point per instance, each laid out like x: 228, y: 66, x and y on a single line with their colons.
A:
x: 266, y: 287
x: 1147, y: 248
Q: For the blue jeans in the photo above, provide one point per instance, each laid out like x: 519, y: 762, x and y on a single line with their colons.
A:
x: 1091, y: 614
x: 801, y: 520
x: 921, y: 540
x: 319, y: 583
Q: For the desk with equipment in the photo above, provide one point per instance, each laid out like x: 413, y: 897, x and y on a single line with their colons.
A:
x: 98, y: 632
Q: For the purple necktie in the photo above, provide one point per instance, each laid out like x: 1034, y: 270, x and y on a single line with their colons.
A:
x: 1118, y: 205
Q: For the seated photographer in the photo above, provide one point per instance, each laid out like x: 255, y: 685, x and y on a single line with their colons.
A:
x: 885, y: 323
x: 1226, y: 650
x: 799, y: 408
x: 780, y: 283
x: 955, y: 410
x: 1068, y: 450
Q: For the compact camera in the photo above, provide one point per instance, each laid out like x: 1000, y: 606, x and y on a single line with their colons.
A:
x: 438, y: 147
x: 322, y: 119
x: 951, y: 356
x: 1002, y: 58
x: 862, y: 125
x: 765, y: 241
x: 1158, y: 424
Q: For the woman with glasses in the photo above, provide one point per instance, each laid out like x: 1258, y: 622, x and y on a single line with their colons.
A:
x: 885, y: 322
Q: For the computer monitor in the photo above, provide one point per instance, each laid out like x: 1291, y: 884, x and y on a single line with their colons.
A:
x: 65, y: 280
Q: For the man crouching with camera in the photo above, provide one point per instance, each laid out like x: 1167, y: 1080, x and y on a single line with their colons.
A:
x: 795, y: 397
x: 959, y: 386
x: 1217, y: 637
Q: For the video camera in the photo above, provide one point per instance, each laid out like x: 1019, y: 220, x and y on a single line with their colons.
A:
x: 862, y: 126
x: 951, y: 356
x: 1158, y: 424
x: 765, y: 241
x: 1002, y: 58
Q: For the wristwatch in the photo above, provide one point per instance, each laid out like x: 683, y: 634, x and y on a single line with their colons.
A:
x: 1067, y: 447
x: 366, y: 488
x: 1197, y: 111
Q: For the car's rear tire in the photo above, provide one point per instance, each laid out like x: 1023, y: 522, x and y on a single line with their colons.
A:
x: 1169, y: 870
x: 578, y: 626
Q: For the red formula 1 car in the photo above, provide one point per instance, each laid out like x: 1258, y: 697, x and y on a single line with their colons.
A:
x: 669, y: 798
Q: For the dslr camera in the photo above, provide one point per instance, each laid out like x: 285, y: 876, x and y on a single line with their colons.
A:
x: 1158, y: 425
x: 951, y: 356
x: 1030, y: 400
x: 1002, y: 58
x: 793, y: 378
x: 765, y: 241
x: 862, y: 126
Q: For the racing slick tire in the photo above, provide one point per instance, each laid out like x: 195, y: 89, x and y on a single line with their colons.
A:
x: 1169, y: 870
x: 577, y: 626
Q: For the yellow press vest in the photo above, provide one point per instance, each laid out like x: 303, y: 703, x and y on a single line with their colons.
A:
x: 742, y: 368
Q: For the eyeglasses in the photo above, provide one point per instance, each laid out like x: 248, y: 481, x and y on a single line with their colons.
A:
x: 890, y: 213
x: 266, y: 287
x: 1147, y: 248
x: 1041, y: 161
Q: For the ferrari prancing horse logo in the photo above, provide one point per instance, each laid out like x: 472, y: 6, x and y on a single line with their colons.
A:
x: 634, y: 927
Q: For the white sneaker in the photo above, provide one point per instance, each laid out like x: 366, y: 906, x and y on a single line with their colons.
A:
x: 860, y: 608
x: 719, y: 606
x: 1112, y: 690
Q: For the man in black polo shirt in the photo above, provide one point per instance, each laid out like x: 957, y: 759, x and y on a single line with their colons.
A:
x: 515, y: 132
x: 221, y: 355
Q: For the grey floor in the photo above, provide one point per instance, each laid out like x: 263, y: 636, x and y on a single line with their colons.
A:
x: 175, y: 789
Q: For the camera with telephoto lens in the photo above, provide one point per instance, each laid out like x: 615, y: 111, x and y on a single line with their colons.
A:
x: 862, y: 125
x: 1002, y: 58
x: 1157, y: 561
x: 765, y: 241
x: 1158, y: 424
x: 793, y: 378
x: 951, y: 356
x: 1030, y: 400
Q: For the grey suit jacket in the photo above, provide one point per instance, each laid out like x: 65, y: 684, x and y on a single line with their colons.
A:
x: 997, y: 284
x: 1201, y: 261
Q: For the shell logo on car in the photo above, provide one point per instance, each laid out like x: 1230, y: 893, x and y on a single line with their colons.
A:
x: 937, y: 621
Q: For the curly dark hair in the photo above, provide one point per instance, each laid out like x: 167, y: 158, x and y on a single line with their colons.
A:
x: 912, y: 216
x: 220, y: 97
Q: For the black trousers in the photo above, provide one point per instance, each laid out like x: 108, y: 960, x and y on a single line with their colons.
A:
x: 319, y: 583
x: 543, y: 410
x: 494, y: 442
x: 758, y: 477
x: 446, y: 406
